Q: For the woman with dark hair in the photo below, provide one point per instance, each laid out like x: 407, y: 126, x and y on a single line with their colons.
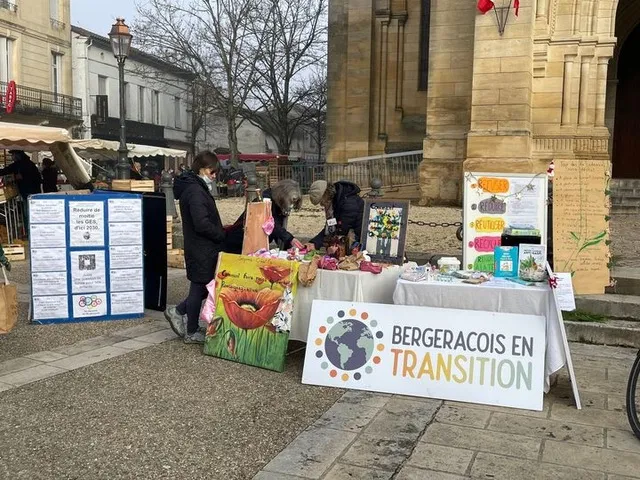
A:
x: 203, y: 241
x: 285, y: 196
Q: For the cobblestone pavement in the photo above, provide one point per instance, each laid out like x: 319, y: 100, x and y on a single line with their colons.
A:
x: 374, y: 436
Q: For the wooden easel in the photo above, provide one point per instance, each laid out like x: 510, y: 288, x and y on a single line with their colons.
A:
x: 254, y: 237
x: 565, y: 343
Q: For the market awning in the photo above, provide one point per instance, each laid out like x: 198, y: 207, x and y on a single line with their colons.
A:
x: 97, y: 147
x: 18, y: 136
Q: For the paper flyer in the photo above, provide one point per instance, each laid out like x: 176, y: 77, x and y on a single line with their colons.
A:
x: 125, y: 209
x: 49, y: 307
x: 48, y: 283
x: 125, y: 233
x: 47, y: 236
x: 124, y: 303
x: 128, y: 280
x: 88, y: 271
x: 94, y: 305
x: 126, y: 257
x: 48, y: 259
x: 86, y: 224
x: 46, y: 211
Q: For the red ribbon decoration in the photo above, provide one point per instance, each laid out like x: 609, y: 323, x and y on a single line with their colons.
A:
x: 516, y: 5
x: 553, y: 282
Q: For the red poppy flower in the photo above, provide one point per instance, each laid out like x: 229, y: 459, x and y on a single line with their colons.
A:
x: 250, y: 310
x: 275, y: 274
x: 214, y: 326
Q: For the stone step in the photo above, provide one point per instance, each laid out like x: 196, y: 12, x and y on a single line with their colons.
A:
x: 627, y: 281
x: 625, y: 209
x: 625, y: 307
x: 625, y: 183
x: 624, y: 192
x: 631, y: 201
x: 619, y: 333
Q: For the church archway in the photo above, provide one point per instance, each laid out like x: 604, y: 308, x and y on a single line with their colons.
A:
x: 626, y: 131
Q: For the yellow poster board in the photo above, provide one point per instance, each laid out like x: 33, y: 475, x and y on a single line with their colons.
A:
x: 580, y: 223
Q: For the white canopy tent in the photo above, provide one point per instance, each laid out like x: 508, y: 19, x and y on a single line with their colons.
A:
x: 34, y: 138
x: 96, y: 147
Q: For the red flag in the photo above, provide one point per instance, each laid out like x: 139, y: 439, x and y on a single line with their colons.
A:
x: 485, y: 5
x: 516, y: 5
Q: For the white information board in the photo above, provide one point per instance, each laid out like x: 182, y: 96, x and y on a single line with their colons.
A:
x: 477, y: 357
x: 495, y: 201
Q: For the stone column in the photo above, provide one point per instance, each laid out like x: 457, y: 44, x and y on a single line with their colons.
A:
x: 541, y: 9
x: 583, y: 105
x: 566, y: 89
x: 601, y: 90
x: 500, y: 135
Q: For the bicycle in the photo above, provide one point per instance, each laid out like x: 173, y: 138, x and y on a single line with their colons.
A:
x: 632, y: 397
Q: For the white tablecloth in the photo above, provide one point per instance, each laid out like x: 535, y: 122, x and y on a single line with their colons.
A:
x: 341, y: 286
x: 495, y: 296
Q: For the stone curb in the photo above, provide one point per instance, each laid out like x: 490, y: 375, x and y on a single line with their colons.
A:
x: 617, y: 333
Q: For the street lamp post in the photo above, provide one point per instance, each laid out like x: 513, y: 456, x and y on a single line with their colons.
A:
x: 121, y: 44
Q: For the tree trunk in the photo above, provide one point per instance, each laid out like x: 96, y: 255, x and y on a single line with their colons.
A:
x: 233, y: 141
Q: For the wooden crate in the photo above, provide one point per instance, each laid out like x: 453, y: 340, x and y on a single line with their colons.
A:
x: 15, y: 252
x: 169, y: 233
x: 133, y: 185
x: 175, y: 258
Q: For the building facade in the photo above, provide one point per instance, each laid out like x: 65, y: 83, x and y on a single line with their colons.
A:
x: 559, y: 82
x: 157, y: 94
x: 35, y: 53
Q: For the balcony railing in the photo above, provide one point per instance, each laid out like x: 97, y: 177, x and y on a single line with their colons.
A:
x: 57, y: 24
x: 7, y: 5
x: 33, y: 101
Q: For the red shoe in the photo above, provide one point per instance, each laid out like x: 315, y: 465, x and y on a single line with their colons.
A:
x: 370, y: 267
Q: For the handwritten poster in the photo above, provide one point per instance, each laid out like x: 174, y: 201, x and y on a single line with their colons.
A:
x: 580, y: 227
x: 494, y: 202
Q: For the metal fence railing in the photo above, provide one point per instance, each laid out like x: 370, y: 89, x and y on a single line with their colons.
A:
x: 392, y: 170
x: 35, y: 101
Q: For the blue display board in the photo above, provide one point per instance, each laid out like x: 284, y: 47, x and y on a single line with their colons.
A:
x: 86, y: 257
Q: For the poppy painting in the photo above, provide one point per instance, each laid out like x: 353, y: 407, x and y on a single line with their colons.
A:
x: 254, y: 307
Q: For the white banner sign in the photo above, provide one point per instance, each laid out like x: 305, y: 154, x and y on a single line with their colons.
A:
x: 468, y: 356
x: 86, y: 224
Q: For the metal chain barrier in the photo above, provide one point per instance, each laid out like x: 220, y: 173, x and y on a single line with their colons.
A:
x: 434, y: 224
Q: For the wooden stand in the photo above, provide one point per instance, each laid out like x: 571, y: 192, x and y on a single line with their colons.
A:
x: 175, y: 258
x: 169, y: 233
x: 254, y: 237
x: 133, y: 185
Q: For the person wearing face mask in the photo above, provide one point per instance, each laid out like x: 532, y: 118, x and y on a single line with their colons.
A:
x: 204, y: 238
x: 285, y: 197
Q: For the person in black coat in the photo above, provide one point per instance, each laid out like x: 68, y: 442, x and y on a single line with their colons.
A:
x: 203, y: 240
x: 49, y: 176
x: 343, y: 209
x: 285, y: 196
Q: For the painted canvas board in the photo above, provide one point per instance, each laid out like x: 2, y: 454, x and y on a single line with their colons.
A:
x: 384, y: 230
x: 253, y: 310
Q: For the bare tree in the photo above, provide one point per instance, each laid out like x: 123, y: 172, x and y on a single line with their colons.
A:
x: 315, y: 102
x: 219, y: 40
x: 295, y: 42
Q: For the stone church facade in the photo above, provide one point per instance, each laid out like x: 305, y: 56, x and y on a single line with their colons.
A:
x: 437, y: 75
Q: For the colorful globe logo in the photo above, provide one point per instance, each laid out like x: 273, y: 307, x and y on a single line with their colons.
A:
x: 349, y: 346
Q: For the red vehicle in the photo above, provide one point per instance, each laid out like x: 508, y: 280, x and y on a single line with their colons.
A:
x: 254, y: 157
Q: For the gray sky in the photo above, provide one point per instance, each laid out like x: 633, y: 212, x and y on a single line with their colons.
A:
x: 98, y: 16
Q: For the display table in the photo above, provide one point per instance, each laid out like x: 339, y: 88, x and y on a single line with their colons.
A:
x: 341, y: 286
x: 495, y: 296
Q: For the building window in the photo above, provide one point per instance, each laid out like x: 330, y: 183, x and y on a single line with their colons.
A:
x: 102, y: 85
x: 8, y: 5
x: 423, y: 60
x: 141, y: 103
x: 6, y: 59
x: 177, y: 112
x: 56, y: 73
x: 155, y: 107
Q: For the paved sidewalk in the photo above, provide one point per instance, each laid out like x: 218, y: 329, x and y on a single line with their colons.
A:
x: 373, y: 436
